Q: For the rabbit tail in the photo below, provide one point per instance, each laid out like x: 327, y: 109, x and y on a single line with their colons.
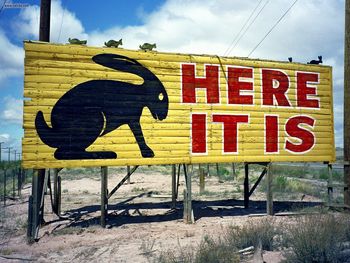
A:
x: 46, y: 134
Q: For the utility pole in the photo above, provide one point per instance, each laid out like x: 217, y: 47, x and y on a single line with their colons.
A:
x: 36, y: 200
x: 347, y: 106
x: 0, y: 151
x: 9, y: 155
x: 44, y: 30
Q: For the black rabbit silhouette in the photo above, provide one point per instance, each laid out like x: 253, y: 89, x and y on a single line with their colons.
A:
x: 96, y: 107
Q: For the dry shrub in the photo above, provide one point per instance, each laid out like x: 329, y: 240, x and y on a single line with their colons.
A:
x: 253, y: 232
x: 216, y: 251
x: 209, y: 250
x: 317, y: 238
x: 224, y: 249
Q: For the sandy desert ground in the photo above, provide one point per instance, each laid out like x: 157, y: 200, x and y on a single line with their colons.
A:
x: 140, y: 224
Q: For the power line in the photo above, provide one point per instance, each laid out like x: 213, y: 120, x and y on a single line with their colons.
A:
x: 251, y: 23
x: 3, y: 5
x: 278, y: 21
x: 246, y: 22
x: 59, y: 34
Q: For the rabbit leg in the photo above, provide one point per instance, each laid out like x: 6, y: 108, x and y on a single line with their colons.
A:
x: 85, y: 129
x: 137, y: 131
x: 80, y: 154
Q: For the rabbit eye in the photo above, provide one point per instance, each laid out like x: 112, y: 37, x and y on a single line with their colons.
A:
x: 160, y: 96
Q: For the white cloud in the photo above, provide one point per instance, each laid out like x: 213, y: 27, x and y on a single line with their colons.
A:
x: 13, y: 112
x: 311, y: 28
x: 11, y: 58
x: 63, y: 25
x: 4, y: 137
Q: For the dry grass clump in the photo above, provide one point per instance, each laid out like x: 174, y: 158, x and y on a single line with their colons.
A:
x: 318, y: 238
x: 226, y: 247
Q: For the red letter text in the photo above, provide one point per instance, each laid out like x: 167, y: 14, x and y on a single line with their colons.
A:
x: 230, y: 130
x: 271, y: 134
x: 190, y: 83
x: 199, y: 133
x: 235, y: 85
x: 303, y: 90
x: 274, y: 86
x: 306, y: 137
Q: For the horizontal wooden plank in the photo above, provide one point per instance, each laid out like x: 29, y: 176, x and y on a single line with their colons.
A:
x: 51, y: 70
x: 83, y: 52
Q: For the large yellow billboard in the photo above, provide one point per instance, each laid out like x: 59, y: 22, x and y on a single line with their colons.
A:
x: 89, y: 106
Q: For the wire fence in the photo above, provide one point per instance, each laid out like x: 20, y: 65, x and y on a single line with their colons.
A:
x: 12, y: 180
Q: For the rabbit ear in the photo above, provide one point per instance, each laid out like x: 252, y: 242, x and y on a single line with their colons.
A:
x: 115, y: 61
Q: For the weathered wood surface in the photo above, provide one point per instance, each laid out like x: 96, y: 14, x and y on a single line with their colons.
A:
x: 51, y: 70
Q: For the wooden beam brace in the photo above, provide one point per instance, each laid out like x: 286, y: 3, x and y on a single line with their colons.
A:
x: 122, y: 181
x: 258, y: 181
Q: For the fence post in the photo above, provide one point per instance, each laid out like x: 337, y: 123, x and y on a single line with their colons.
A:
x: 19, y: 182
x: 5, y: 182
x: 13, y: 183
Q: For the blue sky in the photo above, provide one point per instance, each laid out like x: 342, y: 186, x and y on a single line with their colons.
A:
x: 311, y: 28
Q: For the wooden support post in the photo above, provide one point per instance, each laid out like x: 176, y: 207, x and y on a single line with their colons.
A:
x: 30, y: 238
x: 246, y: 185
x: 233, y: 171
x: 36, y: 211
x: 347, y: 105
x: 42, y: 188
x: 104, y: 195
x: 208, y: 169
x: 55, y: 191
x: 59, y: 195
x: 128, y: 172
x: 217, y: 169
x: 330, y: 185
x: 185, y: 203
x: 173, y: 186
x: 188, y: 212
x: 178, y: 180
x: 269, y: 192
x: 201, y: 181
